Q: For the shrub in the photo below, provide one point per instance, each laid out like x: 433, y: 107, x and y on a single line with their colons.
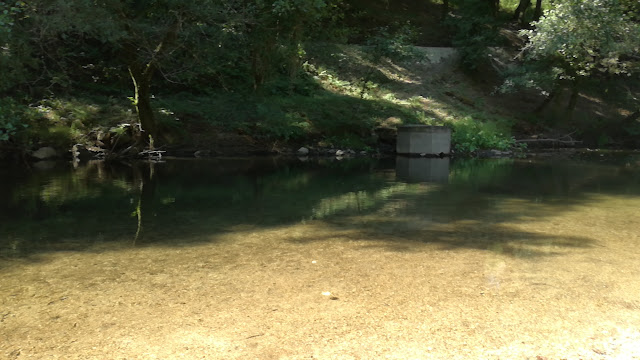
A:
x: 12, y: 123
x: 469, y: 135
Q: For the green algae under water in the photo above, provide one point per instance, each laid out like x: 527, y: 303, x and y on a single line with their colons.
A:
x: 267, y: 258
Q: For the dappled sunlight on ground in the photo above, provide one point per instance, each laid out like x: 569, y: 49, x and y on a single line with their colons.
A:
x: 417, y: 83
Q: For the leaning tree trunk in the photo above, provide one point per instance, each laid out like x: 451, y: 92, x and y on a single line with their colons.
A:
x: 521, y: 9
x: 295, y: 61
x: 141, y: 74
x: 495, y: 7
x: 552, y: 96
x: 445, y: 9
x: 538, y: 12
x: 573, y: 100
x: 141, y: 70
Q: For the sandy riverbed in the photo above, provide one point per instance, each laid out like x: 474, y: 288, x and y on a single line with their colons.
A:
x: 320, y: 290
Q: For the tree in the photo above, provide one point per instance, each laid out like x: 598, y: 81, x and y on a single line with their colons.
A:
x: 537, y: 13
x: 475, y: 29
x: 278, y: 30
x: 520, y: 11
x: 445, y: 9
x: 581, y: 39
x: 141, y: 36
x: 151, y: 37
x: 11, y: 63
x: 494, y: 5
x: 6, y: 21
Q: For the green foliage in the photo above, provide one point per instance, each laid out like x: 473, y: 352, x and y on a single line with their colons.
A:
x: 540, y: 75
x: 61, y: 122
x: 15, y: 56
x: 509, y: 5
x: 575, y: 44
x: 8, y: 12
x: 274, y: 34
x: 469, y: 135
x: 305, y: 117
x: 136, y: 38
x: 54, y: 122
x: 277, y: 124
x: 240, y: 64
x: 194, y: 45
x: 12, y: 122
x: 394, y: 44
x: 585, y: 37
x: 475, y: 29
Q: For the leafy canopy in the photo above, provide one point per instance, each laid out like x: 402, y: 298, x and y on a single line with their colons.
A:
x: 585, y: 37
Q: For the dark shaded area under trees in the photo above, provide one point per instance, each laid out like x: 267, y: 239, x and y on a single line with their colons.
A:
x: 250, y: 60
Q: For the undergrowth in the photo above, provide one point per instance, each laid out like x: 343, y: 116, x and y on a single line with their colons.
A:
x: 469, y: 135
x: 58, y: 122
x: 339, y: 100
x: 328, y: 105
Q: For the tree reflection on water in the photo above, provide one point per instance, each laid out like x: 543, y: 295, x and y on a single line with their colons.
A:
x: 142, y: 203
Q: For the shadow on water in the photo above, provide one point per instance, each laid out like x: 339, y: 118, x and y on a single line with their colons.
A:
x: 473, y: 205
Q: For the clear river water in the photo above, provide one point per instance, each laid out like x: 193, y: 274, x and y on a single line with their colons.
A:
x: 269, y: 258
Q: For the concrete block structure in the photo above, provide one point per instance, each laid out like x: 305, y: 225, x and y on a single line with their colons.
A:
x: 423, y: 140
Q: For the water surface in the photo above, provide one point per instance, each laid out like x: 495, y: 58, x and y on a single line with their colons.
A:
x: 271, y: 258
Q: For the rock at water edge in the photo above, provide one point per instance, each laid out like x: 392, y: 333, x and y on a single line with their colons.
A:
x: 45, y: 153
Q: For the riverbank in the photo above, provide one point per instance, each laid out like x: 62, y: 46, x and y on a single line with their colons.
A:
x: 343, y: 101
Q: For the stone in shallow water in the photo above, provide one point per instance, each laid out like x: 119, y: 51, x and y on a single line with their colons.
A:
x: 202, y: 153
x: 45, y: 153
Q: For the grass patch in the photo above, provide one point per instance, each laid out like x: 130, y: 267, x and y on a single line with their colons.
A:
x: 320, y: 116
x: 469, y: 135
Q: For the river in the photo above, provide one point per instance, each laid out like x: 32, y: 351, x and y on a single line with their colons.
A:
x: 269, y: 258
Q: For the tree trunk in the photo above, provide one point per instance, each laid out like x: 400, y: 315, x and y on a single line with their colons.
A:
x: 494, y: 7
x: 538, y: 12
x: 141, y: 76
x: 548, y: 100
x: 295, y: 61
x: 520, y: 10
x: 445, y: 9
x: 141, y: 70
x: 573, y: 100
x: 257, y: 68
